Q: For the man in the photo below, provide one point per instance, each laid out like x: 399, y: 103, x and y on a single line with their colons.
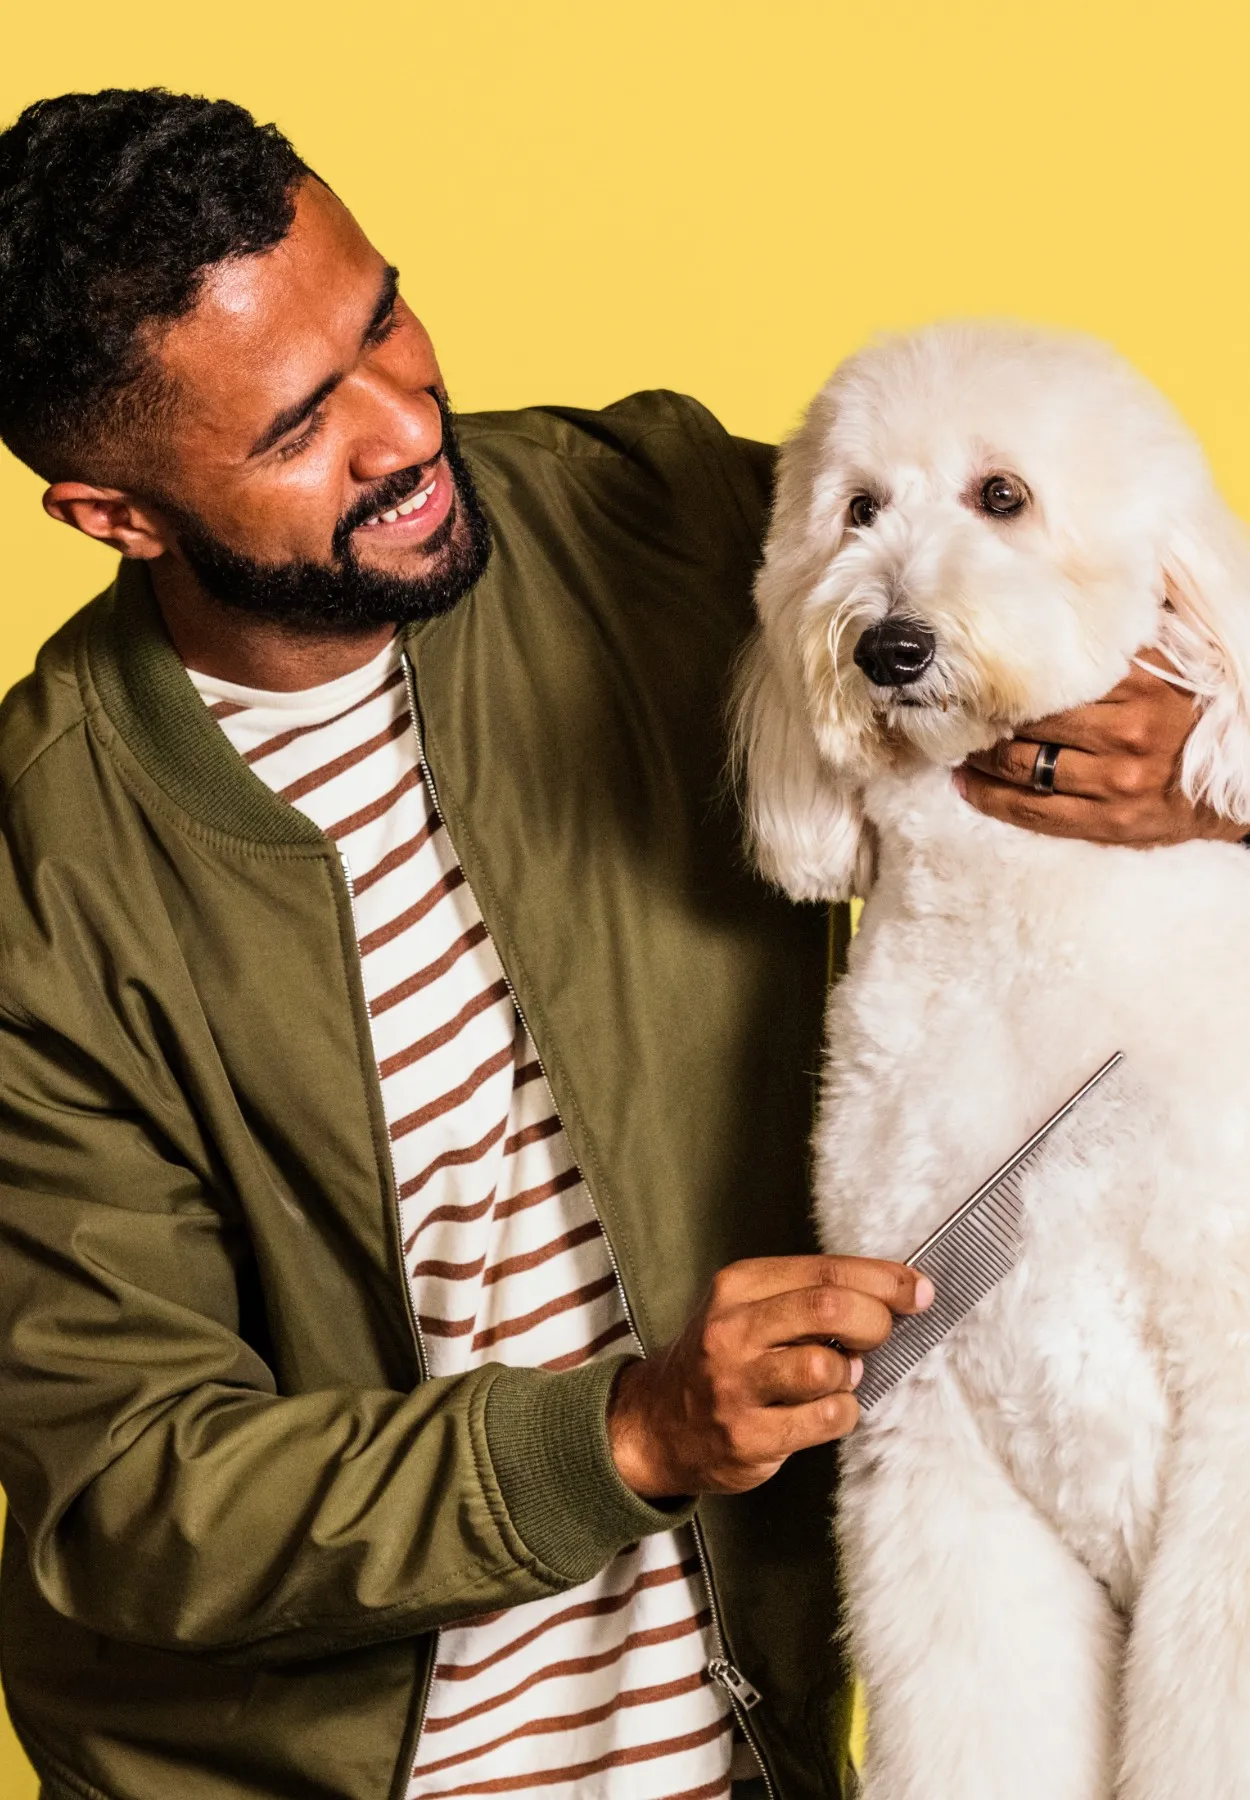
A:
x: 405, y: 1085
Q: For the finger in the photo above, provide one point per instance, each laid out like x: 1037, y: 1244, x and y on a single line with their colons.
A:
x: 1060, y: 815
x: 1093, y: 728
x: 1150, y: 665
x: 857, y: 1321
x: 801, y: 1372
x: 1137, y: 684
x: 902, y: 1288
x: 1014, y: 760
x: 762, y: 1277
x: 1143, y: 816
x: 774, y: 1432
x: 1141, y: 712
x: 817, y: 1422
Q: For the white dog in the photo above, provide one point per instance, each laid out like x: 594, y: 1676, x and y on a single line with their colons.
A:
x: 1046, y: 1527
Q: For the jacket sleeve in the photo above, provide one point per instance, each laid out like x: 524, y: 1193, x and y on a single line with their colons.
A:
x: 169, y: 1495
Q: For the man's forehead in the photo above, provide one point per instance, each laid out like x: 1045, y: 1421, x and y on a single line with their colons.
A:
x: 267, y: 328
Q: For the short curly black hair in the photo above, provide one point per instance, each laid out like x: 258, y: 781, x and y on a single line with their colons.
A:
x: 112, y: 207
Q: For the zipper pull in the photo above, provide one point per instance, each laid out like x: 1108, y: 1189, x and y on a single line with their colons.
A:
x: 734, y: 1683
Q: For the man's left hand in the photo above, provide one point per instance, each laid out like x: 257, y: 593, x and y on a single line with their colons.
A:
x: 1117, y: 780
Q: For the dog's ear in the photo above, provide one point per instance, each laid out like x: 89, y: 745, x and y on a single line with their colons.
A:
x: 1206, y: 635
x: 805, y: 826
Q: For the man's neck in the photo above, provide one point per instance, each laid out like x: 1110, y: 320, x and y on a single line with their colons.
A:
x: 216, y: 640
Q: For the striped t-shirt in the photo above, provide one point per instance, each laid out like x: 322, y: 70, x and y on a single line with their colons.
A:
x: 601, y: 1692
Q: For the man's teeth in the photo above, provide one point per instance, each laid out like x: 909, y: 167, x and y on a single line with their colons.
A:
x: 412, y: 504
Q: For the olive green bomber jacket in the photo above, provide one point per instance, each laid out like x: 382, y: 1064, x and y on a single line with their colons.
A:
x: 238, y: 1513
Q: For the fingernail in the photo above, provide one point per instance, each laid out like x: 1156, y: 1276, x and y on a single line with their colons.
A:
x: 924, y: 1293
x: 857, y: 1370
x: 961, y: 783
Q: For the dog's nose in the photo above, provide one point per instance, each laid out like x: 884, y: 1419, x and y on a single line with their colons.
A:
x: 895, y: 652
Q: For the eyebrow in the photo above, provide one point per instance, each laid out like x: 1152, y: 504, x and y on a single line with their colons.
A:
x: 291, y: 416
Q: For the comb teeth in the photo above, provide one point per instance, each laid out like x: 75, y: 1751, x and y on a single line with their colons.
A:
x: 965, y: 1257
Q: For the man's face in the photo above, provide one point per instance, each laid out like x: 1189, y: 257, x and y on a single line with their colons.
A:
x: 312, y: 474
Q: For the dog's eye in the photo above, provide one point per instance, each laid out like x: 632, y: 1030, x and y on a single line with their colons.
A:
x: 1003, y: 495
x: 862, y: 510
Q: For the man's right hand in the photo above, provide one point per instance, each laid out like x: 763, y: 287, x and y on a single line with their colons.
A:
x: 754, y: 1377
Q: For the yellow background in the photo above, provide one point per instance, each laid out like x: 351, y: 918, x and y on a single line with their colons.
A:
x: 587, y: 197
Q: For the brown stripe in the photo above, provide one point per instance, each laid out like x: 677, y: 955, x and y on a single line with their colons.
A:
x: 445, y: 1328
x: 339, y: 765
x: 434, y: 1040
x: 462, y: 1215
x: 578, y: 1665
x: 354, y: 821
x: 453, y: 1159
x: 226, y: 709
x: 531, y: 1134
x: 530, y: 1072
x: 575, y: 1358
x: 511, y: 1328
x: 385, y: 934
x: 396, y: 858
x: 614, y: 1759
x: 283, y: 738
x: 583, y: 1609
x: 450, y: 1271
x: 532, y: 1196
x: 711, y: 1790
x: 530, y: 1259
x: 431, y: 972
x: 454, y: 1097
x: 593, y: 1715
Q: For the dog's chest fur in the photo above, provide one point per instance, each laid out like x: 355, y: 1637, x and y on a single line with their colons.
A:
x: 993, y: 972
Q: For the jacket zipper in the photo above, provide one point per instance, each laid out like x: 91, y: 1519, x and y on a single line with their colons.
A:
x: 414, y: 1322
x: 428, y: 778
x: 743, y: 1697
x: 423, y: 1367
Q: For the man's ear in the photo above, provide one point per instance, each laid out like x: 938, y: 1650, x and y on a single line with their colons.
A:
x: 805, y: 824
x: 110, y: 515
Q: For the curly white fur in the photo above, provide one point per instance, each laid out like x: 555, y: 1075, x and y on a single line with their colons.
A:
x: 1046, y: 1527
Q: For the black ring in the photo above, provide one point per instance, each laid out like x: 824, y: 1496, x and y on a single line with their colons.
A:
x: 1044, y: 768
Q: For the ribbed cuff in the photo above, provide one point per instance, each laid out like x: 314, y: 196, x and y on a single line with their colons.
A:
x: 548, y: 1440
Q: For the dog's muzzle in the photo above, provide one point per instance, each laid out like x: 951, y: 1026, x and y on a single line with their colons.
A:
x: 896, y: 652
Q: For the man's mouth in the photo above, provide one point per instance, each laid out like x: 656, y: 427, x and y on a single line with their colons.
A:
x: 418, y: 514
x: 414, y: 502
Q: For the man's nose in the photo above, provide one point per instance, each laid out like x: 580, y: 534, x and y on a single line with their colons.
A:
x: 895, y: 652
x: 400, y: 430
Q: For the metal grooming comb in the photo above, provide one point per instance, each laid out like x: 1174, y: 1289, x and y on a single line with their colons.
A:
x: 965, y: 1257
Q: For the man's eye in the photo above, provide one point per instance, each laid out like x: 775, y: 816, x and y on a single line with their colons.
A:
x: 862, y: 510
x: 384, y: 329
x: 294, y: 446
x: 1004, y: 495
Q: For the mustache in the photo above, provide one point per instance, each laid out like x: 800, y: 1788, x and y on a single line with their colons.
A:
x: 392, y: 488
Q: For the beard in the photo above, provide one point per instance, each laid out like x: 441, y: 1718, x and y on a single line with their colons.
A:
x: 345, y: 595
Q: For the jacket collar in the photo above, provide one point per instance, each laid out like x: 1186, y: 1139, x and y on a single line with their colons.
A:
x: 151, y: 701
